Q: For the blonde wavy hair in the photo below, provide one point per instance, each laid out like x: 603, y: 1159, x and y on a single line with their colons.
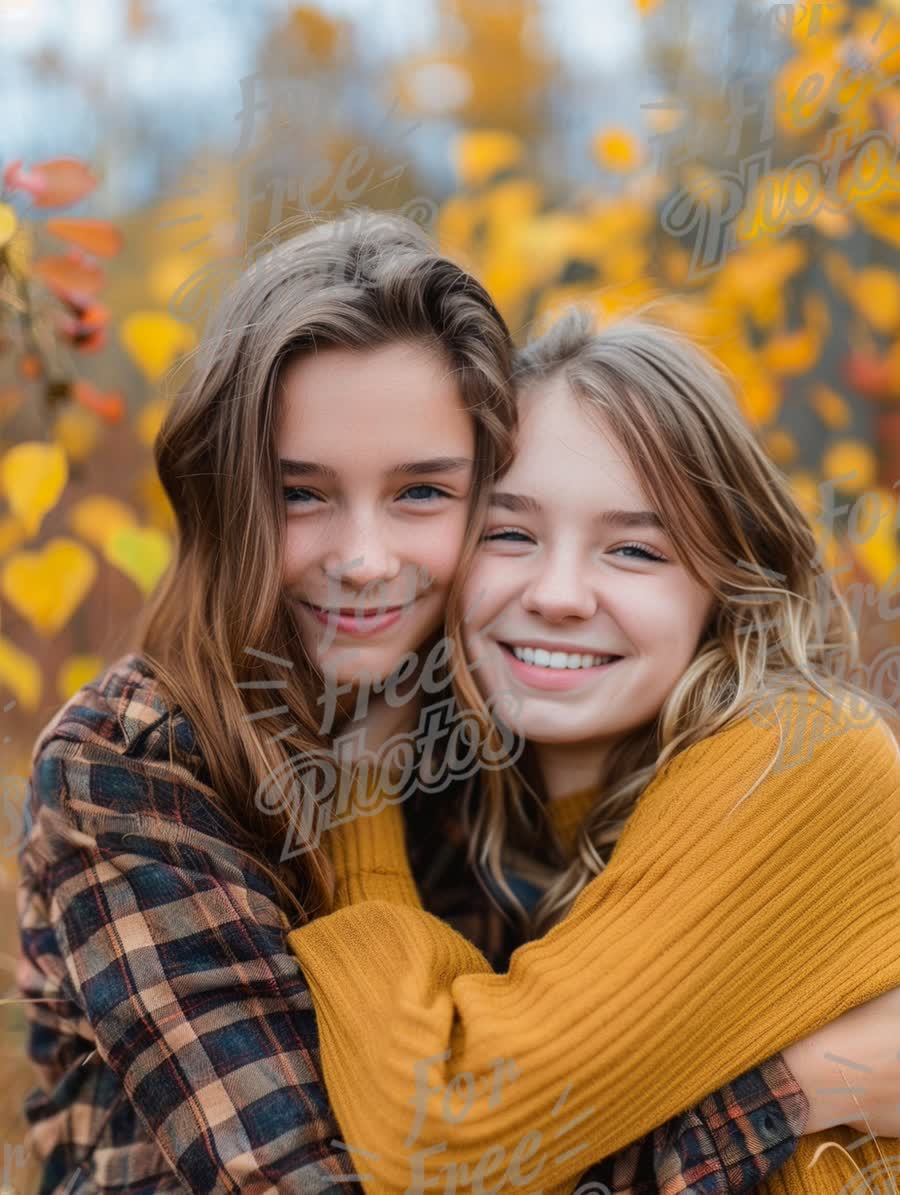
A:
x: 777, y: 621
x: 358, y: 282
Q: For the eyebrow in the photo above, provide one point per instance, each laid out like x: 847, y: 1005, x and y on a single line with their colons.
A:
x: 522, y: 504
x: 437, y: 464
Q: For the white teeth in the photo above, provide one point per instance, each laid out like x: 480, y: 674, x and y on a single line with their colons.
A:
x: 558, y: 659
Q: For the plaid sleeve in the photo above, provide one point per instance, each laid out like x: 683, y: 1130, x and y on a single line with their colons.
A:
x: 174, y: 951
x: 730, y: 1142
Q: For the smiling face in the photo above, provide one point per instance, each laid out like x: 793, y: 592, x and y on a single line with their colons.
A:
x: 580, y: 606
x: 376, y: 453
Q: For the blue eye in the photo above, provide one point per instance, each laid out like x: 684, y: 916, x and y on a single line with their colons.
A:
x: 507, y: 536
x: 432, y: 493
x: 296, y: 494
x: 641, y: 552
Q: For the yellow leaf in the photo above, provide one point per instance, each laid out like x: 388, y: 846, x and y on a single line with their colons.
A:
x: 834, y: 225
x: 157, y: 507
x: 800, y: 107
x: 142, y: 553
x: 876, y: 294
x: 318, y: 34
x: 617, y: 149
x: 878, y: 551
x: 510, y: 202
x: 97, y: 518
x: 484, y: 153
x: 829, y: 406
x: 48, y: 585
x: 20, y: 673
x: 645, y: 6
x: 33, y: 475
x: 20, y: 251
x: 75, y: 672
x: 12, y: 533
x: 77, y: 430
x: 757, y: 392
x: 796, y: 352
x: 853, y: 463
x: 8, y: 223
x: 781, y: 445
x: 814, y: 20
x: 150, y: 419
x: 457, y: 221
x: 791, y: 353
x: 154, y: 339
x: 806, y: 492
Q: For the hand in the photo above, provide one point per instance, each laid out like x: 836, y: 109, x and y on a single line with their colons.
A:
x: 867, y: 1036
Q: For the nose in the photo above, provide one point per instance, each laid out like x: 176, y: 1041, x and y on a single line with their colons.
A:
x: 360, y: 554
x: 560, y: 589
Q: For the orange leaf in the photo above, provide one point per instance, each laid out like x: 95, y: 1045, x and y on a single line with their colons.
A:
x: 867, y: 373
x: 73, y: 272
x: 110, y: 406
x: 97, y: 236
x: 55, y: 183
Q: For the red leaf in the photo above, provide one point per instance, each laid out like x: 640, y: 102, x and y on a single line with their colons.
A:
x: 75, y: 274
x: 97, y: 236
x: 55, y: 183
x: 867, y: 374
x: 110, y: 406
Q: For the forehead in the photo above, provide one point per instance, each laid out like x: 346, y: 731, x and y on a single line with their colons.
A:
x: 563, y: 448
x: 402, y: 399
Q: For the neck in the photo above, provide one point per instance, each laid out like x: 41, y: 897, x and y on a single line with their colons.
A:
x: 569, y: 767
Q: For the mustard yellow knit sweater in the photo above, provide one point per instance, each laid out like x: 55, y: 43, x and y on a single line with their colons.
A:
x: 753, y: 896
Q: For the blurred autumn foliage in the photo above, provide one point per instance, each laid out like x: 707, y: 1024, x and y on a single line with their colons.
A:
x: 770, y: 132
x: 95, y: 316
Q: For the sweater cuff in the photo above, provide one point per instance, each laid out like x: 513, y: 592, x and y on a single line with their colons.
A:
x: 756, y: 1121
x: 370, y: 858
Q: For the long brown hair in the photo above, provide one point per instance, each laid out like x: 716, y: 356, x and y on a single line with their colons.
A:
x: 359, y: 282
x: 778, y: 623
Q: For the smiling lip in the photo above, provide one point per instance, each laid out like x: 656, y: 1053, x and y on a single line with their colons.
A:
x: 553, y: 679
x: 357, y: 622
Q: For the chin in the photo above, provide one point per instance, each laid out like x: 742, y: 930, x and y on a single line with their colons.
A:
x: 369, y: 666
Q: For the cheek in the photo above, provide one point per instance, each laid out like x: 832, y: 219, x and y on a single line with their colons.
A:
x: 438, y: 546
x: 299, y: 553
x: 667, y: 622
x: 488, y: 589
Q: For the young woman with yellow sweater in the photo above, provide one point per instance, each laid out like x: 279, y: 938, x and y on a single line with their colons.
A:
x: 735, y: 882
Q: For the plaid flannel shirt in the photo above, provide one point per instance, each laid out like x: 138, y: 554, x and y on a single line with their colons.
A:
x: 176, y: 1041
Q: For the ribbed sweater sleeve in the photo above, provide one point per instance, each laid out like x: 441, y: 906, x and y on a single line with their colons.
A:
x: 753, y: 896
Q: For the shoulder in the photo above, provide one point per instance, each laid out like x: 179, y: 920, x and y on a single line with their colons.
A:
x: 799, y: 755
x: 118, y: 710
x: 119, y: 744
x: 804, y: 730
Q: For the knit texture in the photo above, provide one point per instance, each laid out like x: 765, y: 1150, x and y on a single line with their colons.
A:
x: 753, y: 896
